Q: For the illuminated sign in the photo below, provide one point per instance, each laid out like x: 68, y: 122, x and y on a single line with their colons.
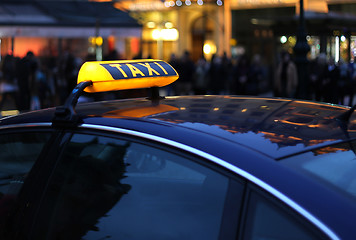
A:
x: 121, y: 75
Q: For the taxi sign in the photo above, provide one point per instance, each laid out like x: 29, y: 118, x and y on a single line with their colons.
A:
x: 122, y: 75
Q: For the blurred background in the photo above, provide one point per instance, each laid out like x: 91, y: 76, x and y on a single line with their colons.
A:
x: 283, y: 48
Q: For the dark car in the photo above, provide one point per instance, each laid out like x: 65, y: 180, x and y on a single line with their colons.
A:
x: 189, y: 167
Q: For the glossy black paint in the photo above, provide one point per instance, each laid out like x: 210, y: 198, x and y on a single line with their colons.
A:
x: 274, y: 127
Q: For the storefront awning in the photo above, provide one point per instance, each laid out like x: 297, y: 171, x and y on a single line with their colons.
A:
x: 64, y: 19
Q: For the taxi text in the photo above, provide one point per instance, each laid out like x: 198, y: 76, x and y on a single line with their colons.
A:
x: 138, y: 70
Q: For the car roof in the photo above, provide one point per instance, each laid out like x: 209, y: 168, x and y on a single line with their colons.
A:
x: 272, y: 126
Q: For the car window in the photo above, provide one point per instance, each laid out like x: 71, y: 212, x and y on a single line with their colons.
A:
x: 18, y: 153
x: 111, y: 188
x: 266, y: 219
x: 333, y: 165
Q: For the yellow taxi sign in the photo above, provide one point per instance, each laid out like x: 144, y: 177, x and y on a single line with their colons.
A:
x: 122, y: 75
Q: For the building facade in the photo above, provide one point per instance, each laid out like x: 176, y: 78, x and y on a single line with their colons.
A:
x: 48, y: 28
x: 159, y: 29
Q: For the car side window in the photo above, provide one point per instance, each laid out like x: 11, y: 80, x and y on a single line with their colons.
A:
x: 269, y: 219
x: 18, y: 153
x: 110, y: 188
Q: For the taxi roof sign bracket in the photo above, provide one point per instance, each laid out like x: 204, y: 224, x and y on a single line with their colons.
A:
x: 66, y: 115
x: 154, y: 94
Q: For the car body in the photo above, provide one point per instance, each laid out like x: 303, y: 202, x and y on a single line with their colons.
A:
x: 202, y: 167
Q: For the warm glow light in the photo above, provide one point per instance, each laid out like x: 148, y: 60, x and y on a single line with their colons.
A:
x: 171, y: 34
x: 300, y: 124
x: 91, y: 40
x: 209, y: 48
x: 24, y: 44
x: 151, y: 25
x: 156, y: 34
x: 9, y: 113
x: 168, y: 25
x: 141, y: 111
x: 142, y: 5
x: 99, y: 41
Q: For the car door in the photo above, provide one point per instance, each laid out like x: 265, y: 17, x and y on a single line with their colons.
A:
x: 121, y: 187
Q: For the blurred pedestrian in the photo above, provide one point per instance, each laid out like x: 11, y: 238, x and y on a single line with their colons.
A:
x: 8, y: 84
x: 44, y: 89
x: 286, y: 79
x: 67, y: 74
x: 187, y: 70
x: 112, y: 55
x: 330, y: 84
x: 256, y: 76
x: 50, y: 70
x: 27, y: 80
x: 241, y: 74
x: 174, y: 61
x: 352, y: 81
x: 213, y: 75
x: 200, y: 77
x: 343, y: 81
x: 318, y: 75
x: 8, y: 68
x: 225, y: 73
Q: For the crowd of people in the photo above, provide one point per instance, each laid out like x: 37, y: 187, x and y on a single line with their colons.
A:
x: 327, y: 80
x: 33, y: 83
x: 332, y: 82
x: 220, y: 75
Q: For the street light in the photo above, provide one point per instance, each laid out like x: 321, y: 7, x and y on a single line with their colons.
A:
x: 301, y: 50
